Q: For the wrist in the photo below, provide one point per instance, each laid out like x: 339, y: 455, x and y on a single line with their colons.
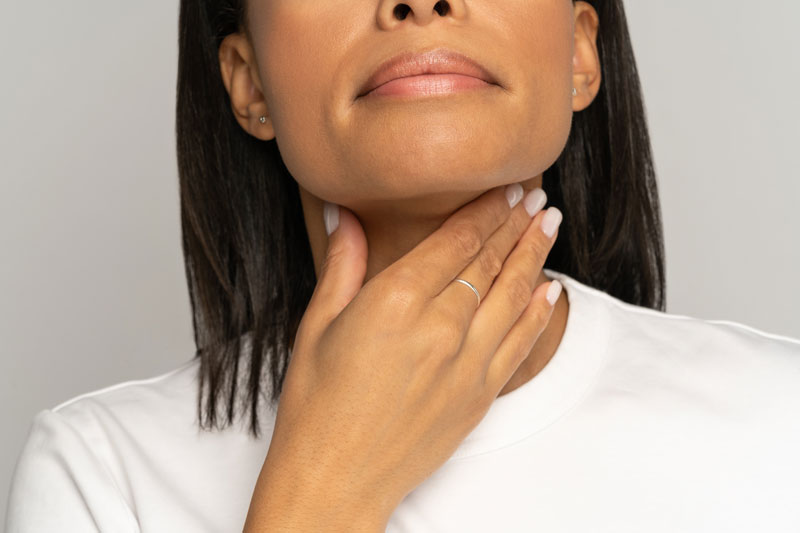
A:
x: 292, y: 500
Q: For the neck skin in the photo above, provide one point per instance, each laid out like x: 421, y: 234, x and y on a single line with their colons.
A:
x: 389, y: 237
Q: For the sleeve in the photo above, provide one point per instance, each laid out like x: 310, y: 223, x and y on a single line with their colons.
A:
x: 58, y: 484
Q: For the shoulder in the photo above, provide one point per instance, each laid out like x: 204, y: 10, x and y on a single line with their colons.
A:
x: 136, y: 422
x: 684, y: 335
x: 165, y: 397
x: 657, y: 346
x: 637, y: 324
x: 70, y: 474
x: 60, y: 484
x: 705, y: 392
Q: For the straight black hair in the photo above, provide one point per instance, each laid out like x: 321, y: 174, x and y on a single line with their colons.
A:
x: 247, y: 256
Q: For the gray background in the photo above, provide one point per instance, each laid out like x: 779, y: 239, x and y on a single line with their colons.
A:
x: 92, y: 281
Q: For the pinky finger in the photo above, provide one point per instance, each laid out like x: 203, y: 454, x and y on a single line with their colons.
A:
x: 523, y: 335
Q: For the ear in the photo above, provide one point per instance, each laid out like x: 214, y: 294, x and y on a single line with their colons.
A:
x: 240, y: 76
x: 586, y: 75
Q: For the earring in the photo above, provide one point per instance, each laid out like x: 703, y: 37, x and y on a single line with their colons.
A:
x: 262, y: 119
x: 574, y: 91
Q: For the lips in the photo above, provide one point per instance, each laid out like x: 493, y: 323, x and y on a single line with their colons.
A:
x: 437, y: 61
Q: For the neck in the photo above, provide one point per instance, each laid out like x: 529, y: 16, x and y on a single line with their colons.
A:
x: 394, y: 228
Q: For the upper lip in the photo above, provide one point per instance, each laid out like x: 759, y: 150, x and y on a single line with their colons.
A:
x: 436, y: 61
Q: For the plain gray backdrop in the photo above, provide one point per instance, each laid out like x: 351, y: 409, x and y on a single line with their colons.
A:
x: 92, y: 280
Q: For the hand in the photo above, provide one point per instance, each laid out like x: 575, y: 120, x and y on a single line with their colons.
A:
x: 387, y: 379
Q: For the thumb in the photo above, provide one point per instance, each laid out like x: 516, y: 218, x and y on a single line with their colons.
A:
x: 344, y: 267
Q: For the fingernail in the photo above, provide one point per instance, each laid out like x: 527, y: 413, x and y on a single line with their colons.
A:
x: 514, y: 194
x: 535, y: 201
x: 553, y: 291
x: 331, y: 215
x: 551, y: 220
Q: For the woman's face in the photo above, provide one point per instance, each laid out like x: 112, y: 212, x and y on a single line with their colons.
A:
x: 311, y: 58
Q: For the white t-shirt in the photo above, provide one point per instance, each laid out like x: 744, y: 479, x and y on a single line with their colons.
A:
x: 641, y: 421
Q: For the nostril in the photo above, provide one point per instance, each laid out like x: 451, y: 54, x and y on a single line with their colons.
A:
x: 401, y: 11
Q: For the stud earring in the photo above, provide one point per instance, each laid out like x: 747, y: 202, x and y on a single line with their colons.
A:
x: 262, y: 119
x: 574, y: 91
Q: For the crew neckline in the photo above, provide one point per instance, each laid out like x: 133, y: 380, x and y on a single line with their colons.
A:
x: 559, y: 386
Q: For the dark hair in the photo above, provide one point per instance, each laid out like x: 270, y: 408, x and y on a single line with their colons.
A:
x: 248, y: 260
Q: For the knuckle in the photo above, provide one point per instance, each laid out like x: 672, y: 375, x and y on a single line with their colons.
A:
x: 537, y: 247
x: 519, y: 291
x: 399, y: 294
x: 332, y: 258
x: 445, y: 332
x: 404, y: 276
x: 520, y: 225
x: 466, y: 238
x: 490, y: 262
x: 501, y: 214
x: 538, y: 315
x: 401, y: 298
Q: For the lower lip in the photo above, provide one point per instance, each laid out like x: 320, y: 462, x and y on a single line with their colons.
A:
x: 429, y: 84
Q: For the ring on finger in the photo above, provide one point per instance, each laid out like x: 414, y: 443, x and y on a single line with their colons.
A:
x: 471, y: 286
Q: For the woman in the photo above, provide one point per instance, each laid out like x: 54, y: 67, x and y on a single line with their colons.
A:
x: 386, y: 228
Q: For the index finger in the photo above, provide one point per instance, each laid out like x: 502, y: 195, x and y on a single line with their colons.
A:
x: 437, y: 260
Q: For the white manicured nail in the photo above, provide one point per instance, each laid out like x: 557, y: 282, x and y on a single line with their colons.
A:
x: 331, y: 215
x: 535, y: 201
x: 514, y: 194
x: 551, y: 220
x: 553, y: 292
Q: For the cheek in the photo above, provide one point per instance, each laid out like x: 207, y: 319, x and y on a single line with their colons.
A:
x: 295, y: 56
x: 544, y: 39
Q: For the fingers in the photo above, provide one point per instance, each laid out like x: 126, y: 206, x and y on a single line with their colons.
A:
x: 512, y: 290
x: 437, y: 260
x: 483, y: 270
x: 519, y: 342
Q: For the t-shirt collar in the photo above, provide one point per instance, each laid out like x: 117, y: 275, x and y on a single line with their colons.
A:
x: 558, y: 387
